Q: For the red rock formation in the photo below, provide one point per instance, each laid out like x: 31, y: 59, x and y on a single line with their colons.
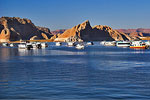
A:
x: 85, y: 32
x: 139, y: 30
x: 15, y: 28
x: 136, y: 33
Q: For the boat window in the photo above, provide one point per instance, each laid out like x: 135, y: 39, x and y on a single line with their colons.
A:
x: 124, y: 43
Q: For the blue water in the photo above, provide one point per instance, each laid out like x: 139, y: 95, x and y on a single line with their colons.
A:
x: 65, y: 73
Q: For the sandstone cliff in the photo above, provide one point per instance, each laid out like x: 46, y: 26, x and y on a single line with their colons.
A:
x: 85, y: 32
x: 15, y: 28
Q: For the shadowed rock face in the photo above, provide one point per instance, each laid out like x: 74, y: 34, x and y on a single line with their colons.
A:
x: 15, y: 28
x: 60, y: 31
x: 85, y: 32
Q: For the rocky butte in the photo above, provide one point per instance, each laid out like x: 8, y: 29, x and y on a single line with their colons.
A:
x: 84, y: 32
x: 15, y: 28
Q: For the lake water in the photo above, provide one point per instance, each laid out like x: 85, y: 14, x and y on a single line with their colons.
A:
x: 65, y: 73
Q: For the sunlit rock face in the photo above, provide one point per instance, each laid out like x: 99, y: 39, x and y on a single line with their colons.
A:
x: 15, y: 28
x: 84, y: 32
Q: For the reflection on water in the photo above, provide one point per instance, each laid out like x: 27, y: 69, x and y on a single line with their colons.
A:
x: 96, y: 72
x: 57, y: 52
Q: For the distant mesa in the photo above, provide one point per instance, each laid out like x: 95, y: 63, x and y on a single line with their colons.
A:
x: 142, y: 30
x: 15, y: 28
x: 84, y: 32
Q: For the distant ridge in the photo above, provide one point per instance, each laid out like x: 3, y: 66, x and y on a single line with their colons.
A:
x: 142, y: 30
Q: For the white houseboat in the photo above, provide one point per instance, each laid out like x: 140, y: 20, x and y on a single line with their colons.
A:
x: 108, y: 43
x: 123, y: 43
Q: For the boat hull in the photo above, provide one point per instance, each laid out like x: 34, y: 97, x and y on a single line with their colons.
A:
x: 138, y: 47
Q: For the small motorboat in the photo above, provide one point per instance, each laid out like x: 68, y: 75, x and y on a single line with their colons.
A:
x: 44, y: 45
x: 34, y: 45
x: 102, y: 42
x: 5, y: 44
x: 58, y: 43
x: 11, y: 45
x: 147, y: 43
x: 71, y: 43
x: 38, y: 45
x: 90, y: 43
x: 79, y: 46
x: 22, y: 46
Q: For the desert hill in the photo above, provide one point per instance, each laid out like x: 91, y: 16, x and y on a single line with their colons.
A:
x: 84, y: 32
x: 15, y: 28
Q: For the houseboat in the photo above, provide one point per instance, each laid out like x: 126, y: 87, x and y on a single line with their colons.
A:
x: 108, y: 43
x: 123, y: 43
x: 25, y: 46
x: 138, y: 45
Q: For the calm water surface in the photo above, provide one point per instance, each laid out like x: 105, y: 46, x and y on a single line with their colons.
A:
x: 60, y: 73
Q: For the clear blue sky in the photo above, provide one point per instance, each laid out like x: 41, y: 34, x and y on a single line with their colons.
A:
x: 64, y: 14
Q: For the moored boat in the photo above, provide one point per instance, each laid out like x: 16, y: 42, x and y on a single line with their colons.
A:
x: 44, y: 45
x: 123, y: 43
x: 71, y: 43
x: 22, y: 46
x: 138, y: 45
x: 90, y: 43
x: 102, y: 42
x: 108, y: 43
x: 147, y: 43
x: 38, y: 45
x: 11, y: 45
x: 58, y: 43
x: 25, y: 46
x: 5, y: 44
x: 79, y: 46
